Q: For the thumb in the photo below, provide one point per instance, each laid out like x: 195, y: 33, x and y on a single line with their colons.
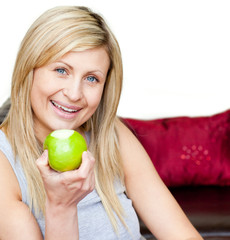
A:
x: 42, y: 162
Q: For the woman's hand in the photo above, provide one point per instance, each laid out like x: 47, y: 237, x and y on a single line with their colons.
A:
x: 67, y: 188
x: 64, y: 190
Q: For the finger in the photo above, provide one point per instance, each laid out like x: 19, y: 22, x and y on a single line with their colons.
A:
x: 86, y: 166
x: 91, y: 176
x: 92, y: 181
x: 86, y: 171
x: 83, y: 172
x: 88, y: 162
x: 92, y: 159
x: 42, y: 162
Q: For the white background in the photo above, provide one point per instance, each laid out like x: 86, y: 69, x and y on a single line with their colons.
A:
x: 176, y: 54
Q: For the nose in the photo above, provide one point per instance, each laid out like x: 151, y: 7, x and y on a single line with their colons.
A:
x: 73, y: 91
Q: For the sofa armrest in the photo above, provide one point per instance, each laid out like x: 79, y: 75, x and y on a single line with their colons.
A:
x: 4, y: 110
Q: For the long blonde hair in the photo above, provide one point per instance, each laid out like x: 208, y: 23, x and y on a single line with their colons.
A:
x: 56, y: 32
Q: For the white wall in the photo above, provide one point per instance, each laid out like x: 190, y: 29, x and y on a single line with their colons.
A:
x: 176, y: 54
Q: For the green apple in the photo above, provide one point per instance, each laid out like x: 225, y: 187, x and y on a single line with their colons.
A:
x: 65, y: 148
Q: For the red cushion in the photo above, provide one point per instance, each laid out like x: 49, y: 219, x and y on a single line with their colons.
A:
x: 187, y: 150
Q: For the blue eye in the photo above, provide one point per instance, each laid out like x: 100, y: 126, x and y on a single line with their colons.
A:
x: 61, y: 70
x: 92, y: 79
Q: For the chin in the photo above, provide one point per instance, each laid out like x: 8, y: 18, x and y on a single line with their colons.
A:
x: 58, y: 125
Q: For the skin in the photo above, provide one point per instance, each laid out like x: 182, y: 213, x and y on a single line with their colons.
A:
x: 68, y: 82
x: 154, y: 203
x: 75, y: 81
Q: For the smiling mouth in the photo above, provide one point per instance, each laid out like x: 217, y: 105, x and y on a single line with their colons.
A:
x: 64, y: 109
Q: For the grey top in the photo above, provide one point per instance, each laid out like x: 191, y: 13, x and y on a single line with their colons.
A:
x: 92, y: 218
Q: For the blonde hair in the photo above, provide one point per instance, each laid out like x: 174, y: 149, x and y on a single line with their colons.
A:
x: 56, y: 32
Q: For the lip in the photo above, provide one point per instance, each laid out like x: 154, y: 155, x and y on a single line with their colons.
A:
x: 67, y: 105
x: 63, y: 114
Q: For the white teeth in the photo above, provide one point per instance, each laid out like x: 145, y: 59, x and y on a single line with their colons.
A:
x: 63, y: 108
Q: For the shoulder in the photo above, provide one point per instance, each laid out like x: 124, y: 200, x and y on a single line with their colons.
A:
x: 6, y: 149
x: 4, y: 141
x: 8, y: 180
x: 137, y: 165
x: 124, y: 133
x: 132, y: 152
x: 9, y: 188
x: 14, y: 213
x: 127, y: 139
x: 2, y: 136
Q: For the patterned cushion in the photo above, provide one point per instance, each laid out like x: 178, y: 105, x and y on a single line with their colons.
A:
x: 187, y: 150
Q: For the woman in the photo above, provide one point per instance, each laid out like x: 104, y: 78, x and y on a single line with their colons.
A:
x: 68, y: 75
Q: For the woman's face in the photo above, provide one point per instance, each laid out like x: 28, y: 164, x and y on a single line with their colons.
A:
x: 66, y: 93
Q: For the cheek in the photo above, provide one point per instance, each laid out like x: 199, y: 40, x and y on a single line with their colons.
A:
x: 94, y: 99
x: 37, y: 92
x: 43, y: 84
x: 34, y: 94
x: 39, y: 95
x: 43, y: 87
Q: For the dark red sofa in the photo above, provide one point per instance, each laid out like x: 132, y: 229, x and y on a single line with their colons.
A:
x: 192, y: 156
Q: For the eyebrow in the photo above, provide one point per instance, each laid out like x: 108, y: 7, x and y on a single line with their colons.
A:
x: 97, y: 71
x: 60, y: 61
